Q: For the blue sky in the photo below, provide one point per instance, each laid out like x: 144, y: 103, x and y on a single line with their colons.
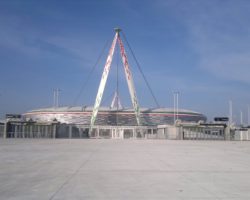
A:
x: 200, y: 48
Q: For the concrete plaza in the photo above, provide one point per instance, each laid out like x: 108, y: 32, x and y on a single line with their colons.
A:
x: 123, y: 169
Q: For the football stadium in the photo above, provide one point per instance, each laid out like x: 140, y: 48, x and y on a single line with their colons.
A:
x: 112, y: 117
x: 114, y: 121
x: 115, y: 115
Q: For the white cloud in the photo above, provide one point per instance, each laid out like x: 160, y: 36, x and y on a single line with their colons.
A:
x: 219, y: 33
x: 235, y: 66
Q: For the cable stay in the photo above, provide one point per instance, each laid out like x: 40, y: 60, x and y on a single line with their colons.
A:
x: 85, y: 83
x: 140, y: 69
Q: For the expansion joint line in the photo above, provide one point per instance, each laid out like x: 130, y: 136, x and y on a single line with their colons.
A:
x: 72, y: 175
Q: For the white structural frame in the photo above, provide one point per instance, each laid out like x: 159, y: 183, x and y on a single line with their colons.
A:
x: 104, y: 78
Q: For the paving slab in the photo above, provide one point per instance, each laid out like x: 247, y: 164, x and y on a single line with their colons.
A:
x: 123, y: 169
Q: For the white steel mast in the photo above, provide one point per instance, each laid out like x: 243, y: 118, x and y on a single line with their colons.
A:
x: 129, y: 78
x: 103, y: 82
x: 105, y: 77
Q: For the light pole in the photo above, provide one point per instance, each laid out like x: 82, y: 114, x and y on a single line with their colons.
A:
x: 248, y: 115
x: 241, y: 118
x: 230, y: 112
x: 176, y: 106
x: 56, y: 97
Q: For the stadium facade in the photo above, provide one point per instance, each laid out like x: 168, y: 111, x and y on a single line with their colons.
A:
x: 75, y: 122
x: 112, y: 117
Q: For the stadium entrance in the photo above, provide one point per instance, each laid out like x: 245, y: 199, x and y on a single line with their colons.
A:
x: 122, y: 132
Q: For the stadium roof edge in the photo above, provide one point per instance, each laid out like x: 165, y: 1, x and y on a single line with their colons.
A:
x: 90, y: 108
